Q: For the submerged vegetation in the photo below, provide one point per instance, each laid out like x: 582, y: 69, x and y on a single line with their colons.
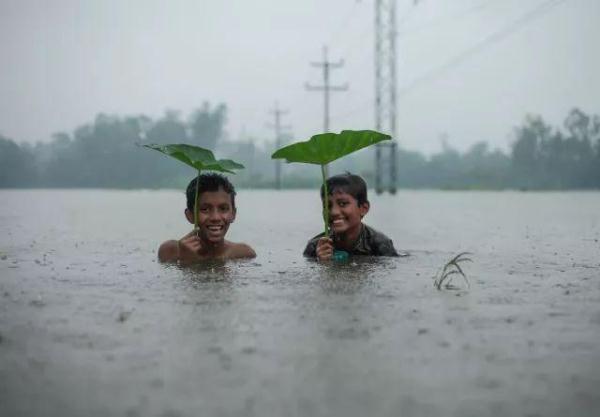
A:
x: 325, y: 148
x: 450, y: 270
x: 103, y: 154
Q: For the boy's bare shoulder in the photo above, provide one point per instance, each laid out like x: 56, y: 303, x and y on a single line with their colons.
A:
x: 240, y: 250
x: 168, y: 251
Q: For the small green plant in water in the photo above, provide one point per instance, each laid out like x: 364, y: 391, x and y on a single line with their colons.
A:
x: 450, y: 269
x: 325, y: 148
x: 198, y: 158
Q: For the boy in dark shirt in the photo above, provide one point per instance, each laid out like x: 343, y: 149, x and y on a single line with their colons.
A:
x: 348, y: 204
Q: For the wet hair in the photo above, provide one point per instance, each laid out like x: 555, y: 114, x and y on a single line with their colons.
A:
x: 347, y: 183
x: 209, y: 182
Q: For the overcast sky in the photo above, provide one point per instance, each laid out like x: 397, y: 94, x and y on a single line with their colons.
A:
x: 467, y: 69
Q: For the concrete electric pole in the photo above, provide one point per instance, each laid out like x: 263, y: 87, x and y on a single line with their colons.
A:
x: 326, y: 87
x: 278, y: 127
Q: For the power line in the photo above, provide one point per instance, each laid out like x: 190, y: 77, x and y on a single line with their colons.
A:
x: 326, y: 87
x: 431, y: 22
x: 359, y: 39
x: 495, y: 37
x: 472, y: 51
x: 344, y: 22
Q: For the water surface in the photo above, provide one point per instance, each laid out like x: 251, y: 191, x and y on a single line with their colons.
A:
x: 91, y: 324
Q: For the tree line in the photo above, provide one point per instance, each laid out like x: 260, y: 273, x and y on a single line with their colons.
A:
x: 106, y: 154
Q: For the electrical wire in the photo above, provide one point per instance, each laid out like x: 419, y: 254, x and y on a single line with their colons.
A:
x: 495, y: 37
x: 478, y: 7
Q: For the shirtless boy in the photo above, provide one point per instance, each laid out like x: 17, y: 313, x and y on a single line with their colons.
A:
x: 216, y: 211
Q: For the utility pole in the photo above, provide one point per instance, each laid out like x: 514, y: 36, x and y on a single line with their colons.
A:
x: 277, y: 113
x: 385, y: 92
x: 326, y: 87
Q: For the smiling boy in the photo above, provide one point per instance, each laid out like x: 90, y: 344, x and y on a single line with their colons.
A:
x: 348, y: 205
x: 216, y: 211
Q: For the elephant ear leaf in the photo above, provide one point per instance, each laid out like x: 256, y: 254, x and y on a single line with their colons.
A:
x: 327, y: 147
x: 199, y: 158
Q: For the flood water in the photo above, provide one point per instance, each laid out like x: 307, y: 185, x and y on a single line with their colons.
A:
x: 92, y: 325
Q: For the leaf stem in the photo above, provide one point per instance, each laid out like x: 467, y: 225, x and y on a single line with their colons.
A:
x: 325, y: 201
x: 196, y: 202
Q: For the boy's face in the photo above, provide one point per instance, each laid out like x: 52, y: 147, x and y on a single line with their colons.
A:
x: 215, y: 214
x: 345, y: 215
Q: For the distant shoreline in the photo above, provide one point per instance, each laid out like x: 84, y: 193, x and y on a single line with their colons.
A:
x: 371, y: 190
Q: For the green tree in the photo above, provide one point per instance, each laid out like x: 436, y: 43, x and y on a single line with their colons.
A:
x: 526, y: 152
x: 206, y: 125
x: 58, y: 162
x: 16, y: 165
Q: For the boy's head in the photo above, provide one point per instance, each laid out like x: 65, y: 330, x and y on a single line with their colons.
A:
x: 208, y: 182
x: 216, y: 205
x: 348, y: 202
x: 349, y: 184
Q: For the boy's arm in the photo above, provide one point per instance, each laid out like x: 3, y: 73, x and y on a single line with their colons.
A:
x: 386, y: 248
x: 310, y: 251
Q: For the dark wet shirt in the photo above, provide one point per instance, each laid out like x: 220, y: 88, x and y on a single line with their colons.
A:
x: 369, y: 242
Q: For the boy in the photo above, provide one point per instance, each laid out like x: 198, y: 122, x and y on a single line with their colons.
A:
x: 216, y: 211
x: 348, y: 204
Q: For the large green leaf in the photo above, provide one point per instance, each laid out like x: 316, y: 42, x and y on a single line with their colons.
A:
x: 327, y: 147
x: 197, y: 157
